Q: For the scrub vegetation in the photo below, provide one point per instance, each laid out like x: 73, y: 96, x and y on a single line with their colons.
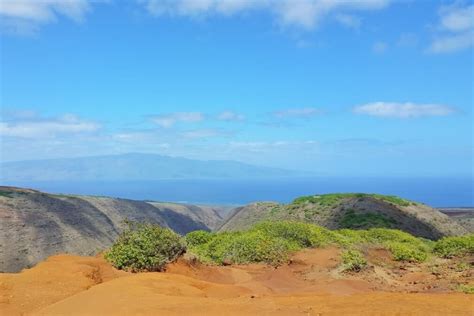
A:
x: 145, y: 247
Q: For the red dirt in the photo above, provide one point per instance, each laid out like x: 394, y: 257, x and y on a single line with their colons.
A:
x: 311, y: 284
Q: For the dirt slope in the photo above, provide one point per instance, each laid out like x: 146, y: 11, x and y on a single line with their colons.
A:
x: 35, y: 225
x: 356, y: 211
x: 310, y: 285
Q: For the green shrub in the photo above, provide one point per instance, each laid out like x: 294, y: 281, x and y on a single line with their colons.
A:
x: 348, y: 237
x: 197, y: 237
x: 384, y: 235
x: 244, y: 247
x: 145, y: 247
x: 466, y: 288
x: 353, y: 260
x: 304, y: 235
x: 406, y: 252
x: 449, y: 247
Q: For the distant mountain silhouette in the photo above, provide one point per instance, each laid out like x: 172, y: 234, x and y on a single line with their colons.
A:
x: 133, y: 166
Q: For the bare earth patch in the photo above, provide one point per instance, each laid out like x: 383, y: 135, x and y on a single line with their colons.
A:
x: 311, y: 284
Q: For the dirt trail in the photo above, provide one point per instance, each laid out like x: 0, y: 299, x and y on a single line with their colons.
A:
x: 309, y: 285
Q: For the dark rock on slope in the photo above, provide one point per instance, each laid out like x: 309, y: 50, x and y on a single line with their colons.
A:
x: 357, y: 211
x: 35, y: 225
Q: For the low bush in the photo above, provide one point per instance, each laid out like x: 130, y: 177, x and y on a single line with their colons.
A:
x: 466, y: 288
x: 145, y: 247
x: 406, y: 252
x: 353, y: 260
x: 449, y: 247
x: 244, y: 247
x: 197, y: 237
x: 304, y: 235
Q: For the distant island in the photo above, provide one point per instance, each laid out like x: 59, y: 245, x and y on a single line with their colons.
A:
x: 134, y: 166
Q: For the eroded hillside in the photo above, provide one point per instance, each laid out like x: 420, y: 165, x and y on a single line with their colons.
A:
x: 35, y: 225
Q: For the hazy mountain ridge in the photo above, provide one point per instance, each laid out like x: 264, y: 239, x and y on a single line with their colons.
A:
x: 133, y: 166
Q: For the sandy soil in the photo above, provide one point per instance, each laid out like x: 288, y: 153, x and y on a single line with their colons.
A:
x: 312, y: 284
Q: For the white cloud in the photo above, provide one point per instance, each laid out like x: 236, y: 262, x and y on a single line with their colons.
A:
x: 25, y: 16
x: 379, y: 47
x: 454, y: 18
x: 168, y: 120
x: 44, y: 10
x: 297, y: 113
x: 230, y: 116
x: 403, y: 110
x: 203, y: 133
x: 33, y: 127
x: 452, y: 43
x: 305, y: 14
x: 456, y: 29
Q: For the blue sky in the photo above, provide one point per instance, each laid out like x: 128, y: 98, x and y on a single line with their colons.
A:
x: 368, y: 87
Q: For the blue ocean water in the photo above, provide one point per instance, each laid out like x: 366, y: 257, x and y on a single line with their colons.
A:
x: 437, y: 192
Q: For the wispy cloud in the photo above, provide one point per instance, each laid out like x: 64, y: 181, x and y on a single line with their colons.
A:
x: 456, y: 29
x: 168, y: 120
x: 30, y: 126
x: 297, y: 113
x: 306, y: 14
x: 25, y: 16
x: 452, y: 43
x: 403, y: 110
x: 204, y: 133
x: 230, y: 116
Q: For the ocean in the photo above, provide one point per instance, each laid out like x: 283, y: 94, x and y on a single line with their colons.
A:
x: 436, y: 192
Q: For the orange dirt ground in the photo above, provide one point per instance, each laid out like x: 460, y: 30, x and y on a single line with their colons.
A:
x: 312, y: 284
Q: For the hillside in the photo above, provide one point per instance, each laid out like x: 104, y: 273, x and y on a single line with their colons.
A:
x: 35, y: 225
x: 357, y: 211
x: 464, y: 216
x: 132, y: 167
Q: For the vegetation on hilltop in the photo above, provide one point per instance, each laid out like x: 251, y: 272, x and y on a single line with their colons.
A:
x: 333, y: 198
x: 351, y: 210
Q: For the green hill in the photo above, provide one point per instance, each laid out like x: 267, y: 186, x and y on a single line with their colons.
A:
x: 350, y: 210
